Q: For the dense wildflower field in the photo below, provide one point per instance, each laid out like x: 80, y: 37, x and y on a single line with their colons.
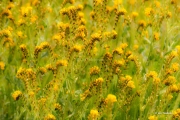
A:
x: 89, y: 59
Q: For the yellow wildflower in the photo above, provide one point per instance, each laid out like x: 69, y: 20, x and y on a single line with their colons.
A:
x: 176, y: 113
x: 16, y: 95
x: 57, y: 106
x: 20, y: 34
x: 31, y: 94
x: 156, y: 80
x: 77, y: 48
x: 134, y: 14
x: 93, y: 115
x: 173, y: 88
x: 152, y: 74
x: 169, y: 14
x: 132, y: 2
x: 94, y: 70
x: 158, y: 4
x: 135, y: 47
x: 156, y: 36
x: 122, y: 11
x: 131, y: 84
x: 111, y: 98
x: 148, y: 11
x: 152, y: 117
x: 50, y: 117
x: 26, y: 10
x: 175, y: 67
x: 169, y: 80
x: 142, y: 23
x: 2, y: 65
x: 33, y: 18
x: 61, y: 63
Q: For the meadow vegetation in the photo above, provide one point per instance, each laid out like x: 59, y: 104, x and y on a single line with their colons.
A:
x: 89, y: 59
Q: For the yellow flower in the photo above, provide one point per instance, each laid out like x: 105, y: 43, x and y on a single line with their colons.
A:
x: 20, y: 34
x: 142, y: 23
x: 173, y: 1
x: 117, y: 2
x: 131, y: 84
x: 94, y: 70
x: 158, y: 4
x: 2, y: 65
x: 135, y: 47
x: 134, y: 14
x: 169, y: 80
x: 152, y: 74
x: 31, y: 94
x: 61, y: 63
x: 119, y: 51
x: 173, y: 88
x: 111, y: 98
x: 152, y: 118
x: 77, y: 48
x: 57, y: 106
x: 148, y: 11
x: 123, y: 45
x: 26, y: 10
x: 132, y: 2
x: 169, y: 14
x: 33, y: 18
x: 21, y: 22
x: 122, y: 11
x: 156, y: 80
x: 93, y: 115
x: 16, y: 95
x: 42, y: 70
x: 50, y: 117
x: 156, y: 36
x: 176, y: 113
x: 175, y: 67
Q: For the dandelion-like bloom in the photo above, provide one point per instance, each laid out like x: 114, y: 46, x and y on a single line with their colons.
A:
x: 134, y: 14
x: 152, y: 118
x: 26, y: 10
x: 20, y: 34
x: 119, y: 63
x: 122, y: 11
x: 2, y: 65
x: 111, y: 98
x: 142, y: 23
x: 170, y: 80
x: 93, y: 115
x: 42, y: 70
x: 130, y: 84
x: 50, y: 117
x: 61, y: 63
x: 173, y: 88
x: 94, y: 70
x: 176, y: 113
x: 132, y: 2
x: 152, y: 74
x: 156, y: 80
x: 175, y: 67
x: 57, y: 106
x: 77, y: 48
x: 96, y: 37
x: 148, y: 11
x: 169, y: 14
x: 16, y: 95
x: 156, y: 36
x: 119, y: 51
x: 158, y: 4
x: 99, y: 81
